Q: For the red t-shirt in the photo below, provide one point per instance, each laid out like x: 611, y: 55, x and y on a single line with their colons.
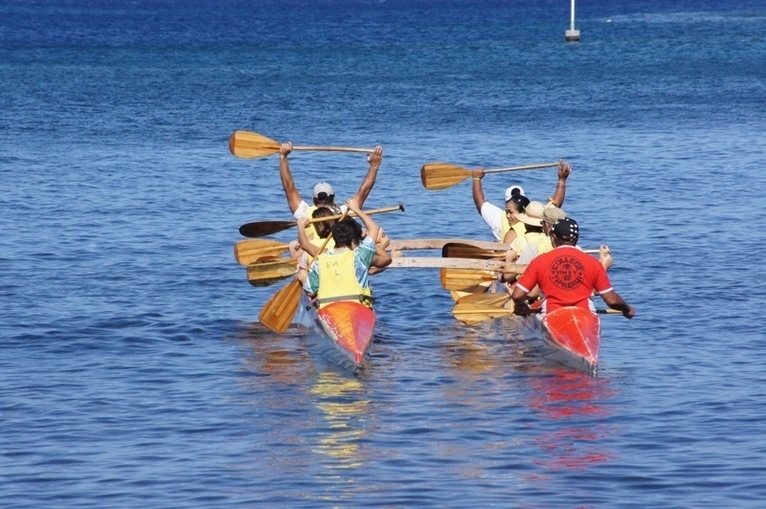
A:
x: 566, y: 276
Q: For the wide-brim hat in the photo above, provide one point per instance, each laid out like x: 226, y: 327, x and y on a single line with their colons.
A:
x: 532, y: 215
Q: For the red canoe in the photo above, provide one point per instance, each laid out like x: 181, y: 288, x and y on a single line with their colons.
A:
x: 573, y: 335
x: 347, y: 329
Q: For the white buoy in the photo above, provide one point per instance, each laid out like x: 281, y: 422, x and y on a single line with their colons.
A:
x: 572, y: 34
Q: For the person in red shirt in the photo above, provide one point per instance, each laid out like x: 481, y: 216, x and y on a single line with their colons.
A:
x: 567, y: 276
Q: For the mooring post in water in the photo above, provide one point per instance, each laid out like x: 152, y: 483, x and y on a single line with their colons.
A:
x: 572, y: 34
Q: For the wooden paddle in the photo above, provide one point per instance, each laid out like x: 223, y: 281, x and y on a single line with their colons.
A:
x: 246, y: 251
x: 462, y: 279
x: 432, y: 262
x: 279, y: 311
x: 460, y: 250
x: 263, y: 228
x: 471, y: 312
x: 486, y: 299
x: 416, y: 244
x: 265, y: 272
x: 443, y: 175
x: 250, y: 145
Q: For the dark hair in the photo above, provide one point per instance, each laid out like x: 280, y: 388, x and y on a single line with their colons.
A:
x: 347, y: 232
x: 323, y: 228
x: 520, y: 201
x: 324, y: 200
x: 533, y: 229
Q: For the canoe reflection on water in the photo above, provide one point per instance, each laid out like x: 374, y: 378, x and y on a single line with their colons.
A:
x: 577, y: 404
x: 341, y: 401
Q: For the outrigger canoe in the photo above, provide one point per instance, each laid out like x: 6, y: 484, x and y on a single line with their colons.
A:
x: 342, y: 331
x: 572, y: 335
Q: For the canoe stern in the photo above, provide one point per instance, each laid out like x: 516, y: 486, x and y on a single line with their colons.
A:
x: 350, y: 326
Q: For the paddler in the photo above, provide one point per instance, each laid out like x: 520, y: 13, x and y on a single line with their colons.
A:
x: 342, y: 273
x: 567, y: 276
x: 495, y: 217
x: 324, y: 194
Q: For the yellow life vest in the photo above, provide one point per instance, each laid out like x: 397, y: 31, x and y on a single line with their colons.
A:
x: 317, y: 241
x: 337, y: 279
x: 505, y: 226
x: 537, y: 238
x: 311, y: 232
x: 544, y: 245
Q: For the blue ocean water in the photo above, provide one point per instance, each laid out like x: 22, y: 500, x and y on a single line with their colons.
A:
x: 133, y: 370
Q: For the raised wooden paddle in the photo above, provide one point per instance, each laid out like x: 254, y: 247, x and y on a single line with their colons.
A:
x: 263, y: 228
x: 250, y: 145
x: 460, y: 250
x: 443, y: 175
x: 279, y: 311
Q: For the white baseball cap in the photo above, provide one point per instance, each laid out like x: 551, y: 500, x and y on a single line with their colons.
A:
x: 323, y: 187
x: 513, y: 190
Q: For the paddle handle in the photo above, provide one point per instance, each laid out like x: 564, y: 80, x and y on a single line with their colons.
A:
x: 519, y: 168
x: 335, y: 149
x: 607, y: 311
x: 368, y: 212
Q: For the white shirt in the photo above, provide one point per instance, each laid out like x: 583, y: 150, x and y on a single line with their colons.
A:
x: 493, y: 216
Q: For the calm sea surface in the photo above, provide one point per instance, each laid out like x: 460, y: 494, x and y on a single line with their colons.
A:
x: 134, y: 372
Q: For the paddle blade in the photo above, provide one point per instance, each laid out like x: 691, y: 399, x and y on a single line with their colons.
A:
x: 471, y: 313
x: 269, y: 271
x: 263, y: 228
x: 471, y: 290
x: 486, y: 299
x: 249, y: 250
x: 460, y: 279
x: 250, y: 145
x: 458, y: 250
x: 442, y: 175
x: 279, y: 311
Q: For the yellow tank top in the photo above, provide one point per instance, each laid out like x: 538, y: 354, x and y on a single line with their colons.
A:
x: 337, y: 278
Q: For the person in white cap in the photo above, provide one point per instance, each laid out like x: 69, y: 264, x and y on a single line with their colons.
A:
x: 495, y: 217
x: 324, y: 194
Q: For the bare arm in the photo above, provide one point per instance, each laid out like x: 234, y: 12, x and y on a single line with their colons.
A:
x: 478, y: 192
x: 561, y: 185
x: 372, y: 226
x: 519, y: 297
x: 614, y: 301
x: 293, y: 197
x: 303, y: 240
x: 372, y: 174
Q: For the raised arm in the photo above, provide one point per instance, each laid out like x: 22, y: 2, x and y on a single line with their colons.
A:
x: 293, y: 197
x: 478, y: 192
x: 372, y: 226
x: 303, y: 240
x: 372, y: 174
x: 561, y: 184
